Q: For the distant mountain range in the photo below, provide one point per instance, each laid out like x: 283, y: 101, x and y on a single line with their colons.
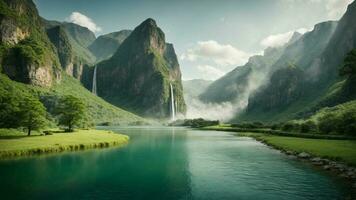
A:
x: 295, y: 80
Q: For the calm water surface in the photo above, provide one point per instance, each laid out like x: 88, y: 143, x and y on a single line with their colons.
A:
x: 168, y: 163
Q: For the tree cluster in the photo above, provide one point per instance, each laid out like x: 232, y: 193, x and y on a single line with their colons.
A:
x: 22, y: 110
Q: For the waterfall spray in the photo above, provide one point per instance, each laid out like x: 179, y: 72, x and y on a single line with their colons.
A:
x: 94, y: 82
x: 173, y: 111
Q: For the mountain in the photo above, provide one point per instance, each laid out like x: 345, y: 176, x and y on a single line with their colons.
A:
x: 35, y: 60
x: 314, y: 82
x: 193, y: 88
x: 237, y: 84
x: 80, y: 38
x: 138, y: 76
x: 106, y: 45
x: 27, y: 55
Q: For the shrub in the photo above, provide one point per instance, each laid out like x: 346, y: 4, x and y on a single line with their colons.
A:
x: 290, y: 126
x: 329, y: 123
x: 308, y: 126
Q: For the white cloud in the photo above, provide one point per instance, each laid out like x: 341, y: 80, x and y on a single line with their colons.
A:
x: 82, y: 20
x: 209, y: 72
x: 280, y: 39
x: 220, y: 54
x: 336, y: 8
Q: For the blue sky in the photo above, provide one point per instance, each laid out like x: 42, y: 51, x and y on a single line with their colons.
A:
x: 211, y: 37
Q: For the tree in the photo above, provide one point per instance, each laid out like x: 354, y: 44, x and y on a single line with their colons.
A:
x: 9, y: 108
x: 349, y: 66
x: 32, y: 114
x: 71, y: 112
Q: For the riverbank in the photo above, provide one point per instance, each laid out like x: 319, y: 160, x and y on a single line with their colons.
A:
x: 13, y: 144
x: 335, y: 155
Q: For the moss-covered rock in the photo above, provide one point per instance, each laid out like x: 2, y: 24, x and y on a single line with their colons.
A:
x: 27, y: 54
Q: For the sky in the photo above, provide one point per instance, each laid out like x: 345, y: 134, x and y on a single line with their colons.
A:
x: 211, y: 37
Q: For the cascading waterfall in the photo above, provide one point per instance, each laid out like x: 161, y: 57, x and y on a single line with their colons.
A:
x: 173, y: 111
x: 94, y: 82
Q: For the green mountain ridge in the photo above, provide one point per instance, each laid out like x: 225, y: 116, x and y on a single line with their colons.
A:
x: 41, y: 61
x: 106, y: 45
x: 138, y: 76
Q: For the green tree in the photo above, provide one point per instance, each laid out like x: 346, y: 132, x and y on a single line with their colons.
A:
x: 9, y: 109
x: 32, y: 114
x: 349, y: 66
x: 71, y: 112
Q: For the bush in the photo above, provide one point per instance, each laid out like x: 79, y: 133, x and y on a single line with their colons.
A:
x: 249, y: 125
x: 290, y: 126
x: 308, y: 126
x: 329, y: 123
x: 344, y: 123
x: 197, y: 123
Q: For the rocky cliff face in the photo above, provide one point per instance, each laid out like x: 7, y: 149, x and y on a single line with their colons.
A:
x: 240, y: 82
x: 319, y: 55
x: 71, y: 42
x: 106, y: 45
x: 285, y: 87
x: 27, y: 55
x: 342, y: 42
x: 138, y: 75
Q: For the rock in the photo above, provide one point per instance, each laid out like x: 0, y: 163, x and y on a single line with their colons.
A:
x: 318, y: 161
x: 340, y: 167
x: 351, y: 174
x: 304, y: 155
x: 327, y: 167
x: 290, y: 152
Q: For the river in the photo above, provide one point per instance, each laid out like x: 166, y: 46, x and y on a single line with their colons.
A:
x: 168, y: 163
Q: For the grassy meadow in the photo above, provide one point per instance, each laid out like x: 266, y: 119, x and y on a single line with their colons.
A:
x: 16, y: 143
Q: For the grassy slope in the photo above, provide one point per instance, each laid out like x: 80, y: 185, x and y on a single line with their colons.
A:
x: 82, y: 139
x: 337, y: 110
x: 99, y: 110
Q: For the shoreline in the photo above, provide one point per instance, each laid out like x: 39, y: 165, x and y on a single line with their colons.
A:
x: 338, y: 169
x: 60, y: 142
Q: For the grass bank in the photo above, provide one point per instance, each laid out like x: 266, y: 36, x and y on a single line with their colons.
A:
x: 12, y: 143
x: 338, y: 150
x: 333, y: 147
x: 226, y: 127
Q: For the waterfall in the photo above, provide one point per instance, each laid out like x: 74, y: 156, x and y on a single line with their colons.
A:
x: 94, y: 82
x: 173, y: 111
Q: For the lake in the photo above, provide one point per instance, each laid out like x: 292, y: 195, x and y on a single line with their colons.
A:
x: 168, y: 163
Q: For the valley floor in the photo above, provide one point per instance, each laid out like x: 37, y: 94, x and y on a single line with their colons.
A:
x: 13, y: 144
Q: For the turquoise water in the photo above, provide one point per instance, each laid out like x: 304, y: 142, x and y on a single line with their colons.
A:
x: 168, y: 163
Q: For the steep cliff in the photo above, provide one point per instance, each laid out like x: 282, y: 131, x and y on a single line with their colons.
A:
x: 138, y: 76
x: 240, y: 82
x: 26, y: 52
x: 319, y: 54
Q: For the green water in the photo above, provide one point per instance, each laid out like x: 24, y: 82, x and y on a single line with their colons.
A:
x: 167, y: 163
